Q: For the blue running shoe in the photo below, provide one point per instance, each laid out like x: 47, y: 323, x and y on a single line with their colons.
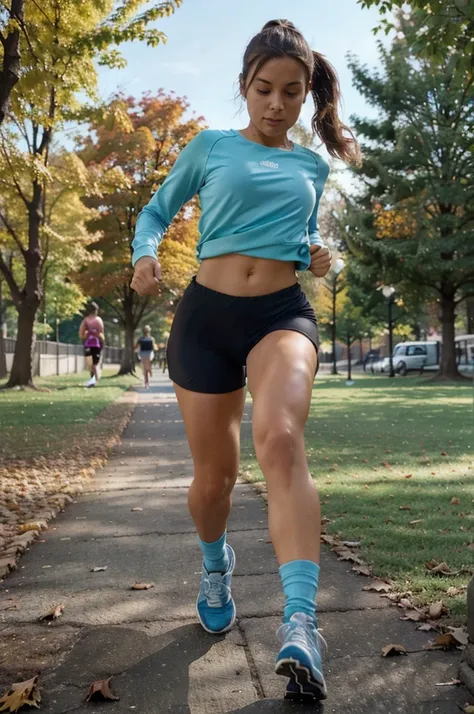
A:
x: 214, y: 606
x: 300, y: 658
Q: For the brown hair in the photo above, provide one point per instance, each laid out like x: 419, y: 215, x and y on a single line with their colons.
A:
x: 280, y: 38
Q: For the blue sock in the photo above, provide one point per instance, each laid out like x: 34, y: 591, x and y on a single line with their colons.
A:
x: 215, y: 556
x: 300, y: 585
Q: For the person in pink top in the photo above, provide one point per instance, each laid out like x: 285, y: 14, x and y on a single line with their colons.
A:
x: 92, y: 332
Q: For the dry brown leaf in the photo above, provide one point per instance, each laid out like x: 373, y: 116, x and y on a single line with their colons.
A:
x: 53, y: 614
x: 362, y: 570
x: 378, y: 586
x: 386, y: 464
x: 405, y: 508
x: 101, y: 690
x: 452, y: 591
x: 21, y: 694
x: 99, y: 569
x: 142, y: 586
x: 445, y: 642
x: 391, y: 650
x: 426, y: 627
x: 405, y: 602
x: 408, y: 475
x: 455, y: 501
x: 443, y: 569
x: 436, y: 609
x: 459, y: 634
x: 414, y: 615
x: 468, y: 709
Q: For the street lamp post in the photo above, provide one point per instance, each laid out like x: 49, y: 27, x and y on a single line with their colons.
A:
x: 336, y: 270
x: 389, y: 293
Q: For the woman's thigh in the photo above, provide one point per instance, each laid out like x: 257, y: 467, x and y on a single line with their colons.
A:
x: 212, y: 423
x: 281, y: 370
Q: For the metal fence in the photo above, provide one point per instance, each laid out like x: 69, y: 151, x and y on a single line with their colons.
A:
x: 52, y: 358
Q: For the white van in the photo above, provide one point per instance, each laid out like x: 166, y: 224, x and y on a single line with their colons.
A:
x: 409, y: 356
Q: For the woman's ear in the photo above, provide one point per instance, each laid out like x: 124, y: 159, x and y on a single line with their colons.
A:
x: 243, y: 92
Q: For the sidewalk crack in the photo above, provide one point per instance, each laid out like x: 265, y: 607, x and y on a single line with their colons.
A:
x: 254, y: 675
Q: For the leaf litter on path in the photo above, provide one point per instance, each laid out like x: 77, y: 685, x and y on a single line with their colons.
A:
x: 21, y: 694
x: 53, y: 613
x: 100, y: 689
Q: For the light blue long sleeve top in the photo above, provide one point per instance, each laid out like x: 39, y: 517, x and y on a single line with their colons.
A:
x: 255, y: 200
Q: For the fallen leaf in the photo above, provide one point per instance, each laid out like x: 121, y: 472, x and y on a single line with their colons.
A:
x: 136, y: 508
x: 351, y: 543
x: 391, y: 650
x: 459, y: 634
x: 455, y: 501
x: 53, y: 614
x: 21, y: 694
x: 101, y: 690
x: 142, y: 586
x: 378, y: 586
x: 33, y: 526
x: 445, y: 642
x: 418, y: 520
x: 405, y: 602
x: 386, y: 464
x: 405, y: 508
x: 99, y: 568
x: 468, y: 709
x: 425, y: 627
x: 444, y: 453
x: 435, y: 610
x: 452, y: 591
x: 408, y: 475
x: 453, y: 682
x: 414, y: 615
x: 362, y: 570
x: 442, y: 569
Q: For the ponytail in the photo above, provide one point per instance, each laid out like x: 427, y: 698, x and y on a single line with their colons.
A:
x: 325, y: 89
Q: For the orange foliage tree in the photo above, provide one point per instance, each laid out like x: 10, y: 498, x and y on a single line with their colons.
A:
x: 143, y: 139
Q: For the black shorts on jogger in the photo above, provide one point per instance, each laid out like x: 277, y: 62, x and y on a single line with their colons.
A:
x: 213, y: 334
x: 93, y: 352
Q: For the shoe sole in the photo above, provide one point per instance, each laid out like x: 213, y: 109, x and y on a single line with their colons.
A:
x: 302, y: 684
x: 234, y: 614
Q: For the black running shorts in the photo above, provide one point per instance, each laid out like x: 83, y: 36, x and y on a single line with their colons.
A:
x: 213, y: 334
x: 93, y: 352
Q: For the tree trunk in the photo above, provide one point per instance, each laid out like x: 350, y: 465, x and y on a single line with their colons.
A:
x: 127, y: 364
x: 10, y: 73
x: 22, y: 368
x: 3, y: 359
x: 448, y: 368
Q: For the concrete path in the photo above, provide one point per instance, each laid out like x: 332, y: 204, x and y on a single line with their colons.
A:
x: 135, y: 523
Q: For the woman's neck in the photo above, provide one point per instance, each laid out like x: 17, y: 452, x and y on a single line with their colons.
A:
x: 275, y: 142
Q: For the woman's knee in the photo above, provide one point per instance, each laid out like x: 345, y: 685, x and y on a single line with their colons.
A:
x: 214, y: 485
x: 279, y: 445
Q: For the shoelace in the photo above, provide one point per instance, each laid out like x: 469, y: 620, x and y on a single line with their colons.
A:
x: 301, y: 634
x: 216, y: 593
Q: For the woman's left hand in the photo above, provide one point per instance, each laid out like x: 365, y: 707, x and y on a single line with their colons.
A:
x: 320, y: 261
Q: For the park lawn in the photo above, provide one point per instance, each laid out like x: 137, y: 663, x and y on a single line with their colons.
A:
x: 37, y: 423
x: 380, y: 447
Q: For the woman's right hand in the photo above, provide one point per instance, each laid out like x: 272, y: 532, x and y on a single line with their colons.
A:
x: 146, y: 276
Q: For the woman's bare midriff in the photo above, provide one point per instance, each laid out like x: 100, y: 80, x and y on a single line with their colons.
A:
x: 244, y: 276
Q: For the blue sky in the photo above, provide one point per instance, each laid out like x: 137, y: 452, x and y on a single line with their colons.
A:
x: 206, y: 40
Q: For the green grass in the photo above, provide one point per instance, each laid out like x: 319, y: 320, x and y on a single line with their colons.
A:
x: 36, y: 423
x: 362, y: 443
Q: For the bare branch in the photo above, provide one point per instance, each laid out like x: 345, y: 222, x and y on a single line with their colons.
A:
x: 10, y: 281
x: 12, y: 232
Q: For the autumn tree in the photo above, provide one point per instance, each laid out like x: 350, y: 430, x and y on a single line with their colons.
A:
x: 59, y: 44
x: 412, y: 220
x: 141, y: 139
x: 11, y: 23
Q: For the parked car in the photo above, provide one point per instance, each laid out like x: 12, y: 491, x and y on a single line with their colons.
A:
x: 412, y: 356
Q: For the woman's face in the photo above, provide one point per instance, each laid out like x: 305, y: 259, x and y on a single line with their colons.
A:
x: 275, y: 95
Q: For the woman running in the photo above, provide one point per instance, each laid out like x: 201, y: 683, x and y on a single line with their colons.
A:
x: 91, y: 331
x: 146, y: 346
x: 244, y: 316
